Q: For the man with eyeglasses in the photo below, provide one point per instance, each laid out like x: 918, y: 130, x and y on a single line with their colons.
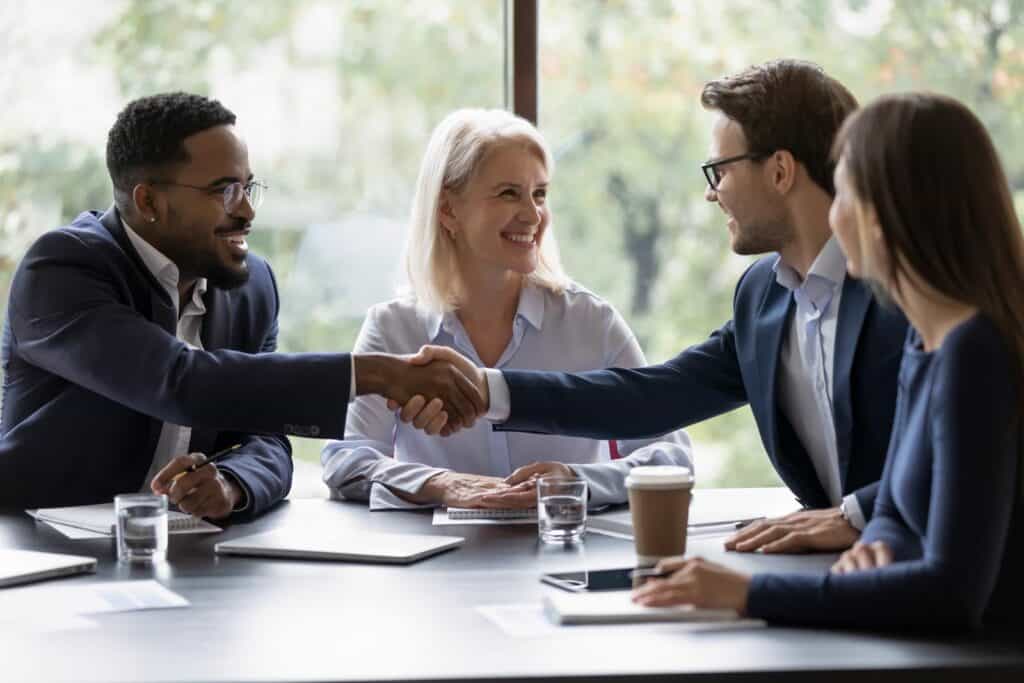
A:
x: 139, y: 339
x: 808, y: 349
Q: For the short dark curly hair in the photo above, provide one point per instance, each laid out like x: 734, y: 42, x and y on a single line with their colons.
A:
x: 150, y: 132
x: 786, y: 104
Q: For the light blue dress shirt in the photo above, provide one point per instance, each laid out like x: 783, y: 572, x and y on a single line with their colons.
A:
x: 806, y: 367
x: 573, y: 331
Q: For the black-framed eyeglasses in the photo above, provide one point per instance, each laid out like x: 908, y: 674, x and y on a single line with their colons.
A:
x: 254, y: 190
x: 710, y: 169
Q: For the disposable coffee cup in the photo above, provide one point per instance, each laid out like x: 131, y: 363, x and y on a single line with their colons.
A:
x: 659, y: 501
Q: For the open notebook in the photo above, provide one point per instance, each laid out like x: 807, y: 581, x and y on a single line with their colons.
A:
x: 102, y: 519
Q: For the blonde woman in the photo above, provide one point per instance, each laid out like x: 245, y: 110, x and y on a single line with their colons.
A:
x: 486, y: 280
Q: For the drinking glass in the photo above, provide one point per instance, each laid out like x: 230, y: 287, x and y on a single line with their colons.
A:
x: 561, y: 509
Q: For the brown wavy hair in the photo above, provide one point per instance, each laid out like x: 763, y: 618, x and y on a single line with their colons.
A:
x: 928, y: 167
x: 786, y: 104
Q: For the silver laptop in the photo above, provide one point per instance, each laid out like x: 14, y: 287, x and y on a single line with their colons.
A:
x: 23, y: 566
x: 350, y: 546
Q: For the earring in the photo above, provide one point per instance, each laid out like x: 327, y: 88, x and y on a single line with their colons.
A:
x: 152, y: 219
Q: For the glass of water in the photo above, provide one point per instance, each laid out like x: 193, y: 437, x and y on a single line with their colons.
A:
x: 141, y: 527
x: 561, y: 509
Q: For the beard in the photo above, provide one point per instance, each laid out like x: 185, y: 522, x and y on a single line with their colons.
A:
x: 761, y: 237
x: 222, y: 277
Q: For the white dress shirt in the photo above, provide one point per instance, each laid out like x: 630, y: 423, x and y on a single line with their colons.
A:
x: 174, y: 439
x: 807, y: 367
x: 806, y: 364
x: 573, y: 331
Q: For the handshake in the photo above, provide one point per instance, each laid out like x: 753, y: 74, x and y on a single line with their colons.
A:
x: 438, y: 389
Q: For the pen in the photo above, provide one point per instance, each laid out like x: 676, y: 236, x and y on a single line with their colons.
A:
x: 213, y: 458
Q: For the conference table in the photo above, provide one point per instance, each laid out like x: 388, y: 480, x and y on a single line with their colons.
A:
x: 264, y: 619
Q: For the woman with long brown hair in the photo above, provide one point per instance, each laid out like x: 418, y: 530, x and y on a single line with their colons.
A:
x: 924, y: 212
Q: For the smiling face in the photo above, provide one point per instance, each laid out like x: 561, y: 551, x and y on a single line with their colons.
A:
x: 756, y: 216
x: 499, y: 219
x: 196, y: 231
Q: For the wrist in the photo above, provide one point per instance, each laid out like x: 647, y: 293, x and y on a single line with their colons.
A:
x: 375, y: 373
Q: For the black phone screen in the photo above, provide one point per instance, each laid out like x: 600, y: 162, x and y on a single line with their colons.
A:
x: 600, y: 580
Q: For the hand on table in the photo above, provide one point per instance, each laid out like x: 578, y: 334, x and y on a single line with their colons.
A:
x: 522, y: 491
x: 203, y: 493
x: 459, y: 490
x: 798, y: 532
x: 429, y: 416
x: 695, y: 582
x: 863, y: 556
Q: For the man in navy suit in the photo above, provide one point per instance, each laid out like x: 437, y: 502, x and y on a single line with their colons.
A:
x: 139, y: 339
x: 808, y: 349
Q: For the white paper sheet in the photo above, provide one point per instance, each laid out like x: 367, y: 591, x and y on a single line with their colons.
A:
x: 55, y: 602
x: 76, y: 533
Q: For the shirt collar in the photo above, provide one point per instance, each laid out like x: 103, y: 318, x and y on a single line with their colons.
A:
x: 830, y: 265
x: 530, y: 309
x: 163, y: 269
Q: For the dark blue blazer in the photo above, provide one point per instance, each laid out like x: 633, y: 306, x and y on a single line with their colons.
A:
x: 92, y: 368
x: 739, y: 364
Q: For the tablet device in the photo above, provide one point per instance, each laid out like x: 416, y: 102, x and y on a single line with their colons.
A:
x: 23, y: 566
x: 347, y: 546
x: 591, y: 581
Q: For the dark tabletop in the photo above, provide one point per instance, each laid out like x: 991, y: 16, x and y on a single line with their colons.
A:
x: 295, y: 620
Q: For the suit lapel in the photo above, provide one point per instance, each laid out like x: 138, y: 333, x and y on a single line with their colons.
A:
x: 772, y: 321
x: 853, y: 308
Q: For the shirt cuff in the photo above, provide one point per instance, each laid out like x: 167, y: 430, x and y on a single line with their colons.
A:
x: 352, y: 381
x: 500, y: 406
x: 854, y: 515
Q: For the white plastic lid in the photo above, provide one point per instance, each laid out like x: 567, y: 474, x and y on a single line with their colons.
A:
x: 659, y: 476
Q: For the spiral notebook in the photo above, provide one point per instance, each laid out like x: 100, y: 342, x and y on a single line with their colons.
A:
x: 102, y: 519
x: 466, y: 516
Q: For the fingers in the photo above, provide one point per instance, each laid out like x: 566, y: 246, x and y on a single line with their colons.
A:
x: 435, y: 426
x: 520, y: 497
x: 412, y: 408
x: 863, y: 556
x: 748, y: 532
x: 524, y: 473
x: 882, y: 552
x: 162, y: 481
x: 428, y: 354
x: 792, y: 542
x: 427, y: 415
x: 474, y: 394
x: 186, y: 485
x: 767, y: 533
x: 671, y: 564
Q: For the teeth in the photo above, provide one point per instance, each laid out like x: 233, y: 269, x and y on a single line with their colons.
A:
x: 525, y: 239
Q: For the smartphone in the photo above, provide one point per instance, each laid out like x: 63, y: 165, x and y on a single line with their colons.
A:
x: 600, y: 580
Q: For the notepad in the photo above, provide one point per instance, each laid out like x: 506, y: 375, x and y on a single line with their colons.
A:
x: 102, y: 519
x: 617, y: 607
x: 496, y: 513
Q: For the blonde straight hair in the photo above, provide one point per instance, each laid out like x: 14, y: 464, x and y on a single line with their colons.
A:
x: 457, y: 148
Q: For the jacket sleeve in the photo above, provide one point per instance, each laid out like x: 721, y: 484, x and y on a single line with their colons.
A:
x: 619, y: 403
x: 70, y: 317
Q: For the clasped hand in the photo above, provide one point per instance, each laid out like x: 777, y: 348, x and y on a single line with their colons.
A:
x: 442, y: 393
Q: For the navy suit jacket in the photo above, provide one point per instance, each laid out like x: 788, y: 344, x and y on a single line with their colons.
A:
x: 92, y: 368
x: 739, y: 364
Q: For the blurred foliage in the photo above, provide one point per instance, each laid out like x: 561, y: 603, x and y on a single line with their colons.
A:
x: 341, y: 97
